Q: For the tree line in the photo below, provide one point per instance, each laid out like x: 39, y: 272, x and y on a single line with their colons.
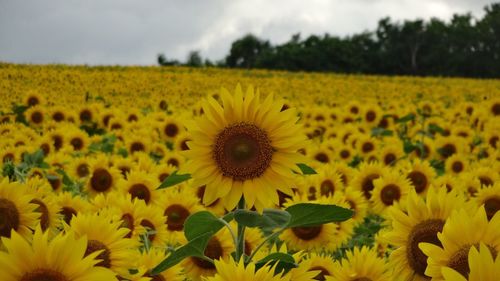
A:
x: 464, y: 47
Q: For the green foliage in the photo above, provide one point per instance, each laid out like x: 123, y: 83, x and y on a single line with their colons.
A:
x: 309, y: 214
x: 283, y: 261
x: 174, y: 179
x: 20, y: 172
x: 201, y: 223
x: 306, y: 170
x: 106, y: 144
x: 269, y: 220
x: 381, y: 132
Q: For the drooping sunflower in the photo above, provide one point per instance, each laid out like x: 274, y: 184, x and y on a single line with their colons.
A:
x: 483, y: 266
x: 421, y: 222
x: 361, y: 264
x: 461, y: 231
x: 17, y: 212
x: 64, y: 258
x: 244, y: 147
x: 108, y: 238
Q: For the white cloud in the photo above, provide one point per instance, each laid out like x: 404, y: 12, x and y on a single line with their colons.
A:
x: 134, y: 32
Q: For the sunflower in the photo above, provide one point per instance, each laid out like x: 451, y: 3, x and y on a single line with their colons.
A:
x: 171, y: 128
x: 177, y: 206
x: 35, y: 115
x: 456, y: 164
x: 181, y: 141
x: 363, y: 180
x: 486, y: 175
x: 63, y: 258
x: 58, y: 113
x: 77, y: 139
x: 328, y: 181
x: 17, y: 212
x: 390, y: 188
x: 107, y: 237
x: 323, y: 264
x: 390, y: 154
x: 420, y: 175
x: 219, y: 247
x: 490, y: 198
x: 152, y: 225
x: 229, y: 270
x: 421, y: 222
x: 43, y: 198
x: 244, y: 147
x: 357, y: 202
x: 79, y: 168
x: 483, y: 266
x: 367, y: 146
x: 70, y: 206
x: 461, y: 231
x: 359, y: 265
x: 102, y: 178
x: 162, y: 171
x: 140, y: 185
x: 33, y: 98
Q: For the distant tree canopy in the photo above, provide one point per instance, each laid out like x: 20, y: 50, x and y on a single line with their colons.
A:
x: 464, y: 46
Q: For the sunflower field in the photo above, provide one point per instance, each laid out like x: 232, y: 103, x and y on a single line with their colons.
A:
x: 173, y: 173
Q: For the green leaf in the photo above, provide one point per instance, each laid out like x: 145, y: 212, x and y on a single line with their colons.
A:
x: 201, y: 223
x: 309, y: 214
x: 284, y: 261
x: 123, y: 152
x: 269, y: 219
x: 355, y: 161
x: 408, y: 146
x: 381, y: 132
x: 406, y: 118
x: 433, y: 128
x: 194, y: 248
x: 174, y: 179
x: 306, y: 170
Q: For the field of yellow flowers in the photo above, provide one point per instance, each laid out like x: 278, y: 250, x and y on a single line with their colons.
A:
x: 171, y: 173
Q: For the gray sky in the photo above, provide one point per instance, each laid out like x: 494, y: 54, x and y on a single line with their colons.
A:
x: 134, y: 32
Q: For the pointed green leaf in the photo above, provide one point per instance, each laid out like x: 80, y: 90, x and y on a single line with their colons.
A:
x: 200, y: 223
x: 309, y: 214
x: 194, y: 248
x: 284, y: 261
x: 306, y: 170
x: 174, y: 179
x: 406, y: 118
x: 269, y: 219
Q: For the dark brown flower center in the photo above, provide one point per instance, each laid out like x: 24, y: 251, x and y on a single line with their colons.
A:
x: 101, y: 180
x: 327, y: 188
x: 82, y: 170
x: 418, y: 180
x: 54, y: 181
x: 457, y: 166
x: 44, y: 213
x: 68, y: 214
x: 322, y: 274
x: 243, y: 151
x: 128, y: 222
x: 9, y: 217
x: 495, y: 109
x: 140, y: 191
x: 459, y: 260
x: 322, y: 157
x: 425, y: 231
x: 104, y: 256
x: 174, y: 162
x: 307, y: 233
x: 43, y: 275
x: 163, y: 176
x: 448, y: 150
x: 213, y: 250
x: 58, y: 141
x: 58, y: 116
x: 485, y: 181
x: 362, y: 279
x: 389, y: 159
x: 37, y: 117
x: 367, y: 185
x: 370, y: 116
x: 344, y: 154
x: 184, y: 145
x: 85, y: 115
x: 176, y: 215
x: 171, y: 130
x: 77, y: 143
x: 367, y: 147
x: 390, y: 193
x: 492, y: 205
x: 137, y: 146
x: 33, y: 101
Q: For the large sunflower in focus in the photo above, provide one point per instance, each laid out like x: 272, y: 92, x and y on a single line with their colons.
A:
x: 246, y: 146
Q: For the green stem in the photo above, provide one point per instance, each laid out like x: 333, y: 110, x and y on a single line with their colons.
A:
x: 235, y: 239
x: 277, y: 233
x: 240, y: 245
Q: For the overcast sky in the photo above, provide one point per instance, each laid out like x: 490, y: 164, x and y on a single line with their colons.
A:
x: 134, y: 32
